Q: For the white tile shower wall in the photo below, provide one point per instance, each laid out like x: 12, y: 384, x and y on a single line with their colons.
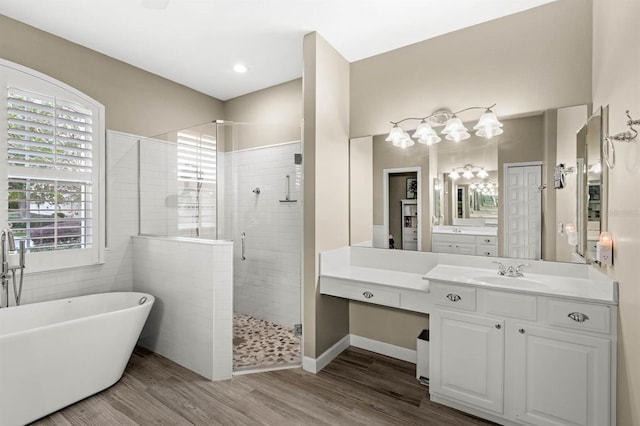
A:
x: 115, y: 274
x: 158, y: 188
x: 191, y: 321
x: 168, y: 205
x: 267, y: 283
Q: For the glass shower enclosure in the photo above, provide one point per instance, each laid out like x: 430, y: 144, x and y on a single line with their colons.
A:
x: 240, y: 182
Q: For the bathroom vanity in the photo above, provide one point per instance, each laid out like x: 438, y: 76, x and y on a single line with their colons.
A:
x: 473, y: 240
x: 538, y: 349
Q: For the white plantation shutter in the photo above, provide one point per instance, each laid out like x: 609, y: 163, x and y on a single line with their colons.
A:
x: 52, y: 139
x: 197, y: 178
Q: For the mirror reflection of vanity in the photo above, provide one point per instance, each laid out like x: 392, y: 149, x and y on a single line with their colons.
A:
x: 514, y: 207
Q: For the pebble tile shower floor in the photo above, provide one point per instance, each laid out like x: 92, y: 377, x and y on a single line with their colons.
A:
x: 258, y: 343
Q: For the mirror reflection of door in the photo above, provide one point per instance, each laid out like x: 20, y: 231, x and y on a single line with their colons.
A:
x: 403, y: 210
x: 523, y: 210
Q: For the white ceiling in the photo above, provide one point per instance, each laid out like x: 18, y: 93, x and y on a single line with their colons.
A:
x: 197, y: 42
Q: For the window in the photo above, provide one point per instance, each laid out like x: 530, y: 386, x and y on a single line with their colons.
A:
x: 197, y: 178
x: 52, y: 140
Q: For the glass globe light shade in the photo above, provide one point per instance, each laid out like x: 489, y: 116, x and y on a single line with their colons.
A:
x: 425, y: 134
x: 395, y: 134
x: 488, y: 125
x: 482, y: 173
x: 454, y: 125
x: 454, y: 175
x: 468, y: 174
x: 488, y: 133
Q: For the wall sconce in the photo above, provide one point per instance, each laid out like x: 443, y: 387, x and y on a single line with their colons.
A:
x: 604, y: 249
x: 487, y: 127
x: 572, y: 234
x: 609, y: 152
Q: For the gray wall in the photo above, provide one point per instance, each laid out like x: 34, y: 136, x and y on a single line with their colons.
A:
x: 135, y: 100
x: 616, y: 79
x: 326, y: 190
x: 529, y: 61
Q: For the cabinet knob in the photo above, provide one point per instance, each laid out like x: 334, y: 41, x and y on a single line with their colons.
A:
x: 521, y: 331
x: 498, y: 326
x: 486, y: 253
x: 578, y: 316
x: 453, y: 297
x: 367, y: 294
x: 487, y: 241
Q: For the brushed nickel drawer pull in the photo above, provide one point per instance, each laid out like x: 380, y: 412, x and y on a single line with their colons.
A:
x: 367, y: 294
x: 578, y: 316
x: 453, y: 297
x: 521, y: 330
x: 498, y: 326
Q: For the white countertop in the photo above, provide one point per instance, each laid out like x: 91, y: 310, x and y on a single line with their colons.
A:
x: 386, y: 277
x: 551, y: 285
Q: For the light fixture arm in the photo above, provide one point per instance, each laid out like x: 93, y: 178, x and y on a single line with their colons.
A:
x: 474, y: 107
x: 628, y: 136
x: 487, y: 108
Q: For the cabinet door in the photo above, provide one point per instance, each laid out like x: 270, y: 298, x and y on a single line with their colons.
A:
x: 560, y: 378
x: 467, y: 359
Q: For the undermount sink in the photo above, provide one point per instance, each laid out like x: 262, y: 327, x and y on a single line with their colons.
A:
x: 505, y: 280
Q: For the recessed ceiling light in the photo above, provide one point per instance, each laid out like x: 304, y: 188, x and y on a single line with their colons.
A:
x: 239, y: 68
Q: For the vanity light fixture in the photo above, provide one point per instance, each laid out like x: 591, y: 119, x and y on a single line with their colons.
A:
x: 488, y: 126
x: 468, y: 171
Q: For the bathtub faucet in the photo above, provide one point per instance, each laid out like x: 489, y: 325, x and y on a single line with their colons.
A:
x: 8, y: 245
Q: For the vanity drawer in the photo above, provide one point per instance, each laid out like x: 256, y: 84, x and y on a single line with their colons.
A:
x: 580, y: 316
x: 487, y: 240
x: 486, y: 251
x: 453, y: 296
x: 372, y: 295
x: 511, y: 305
x: 453, y: 238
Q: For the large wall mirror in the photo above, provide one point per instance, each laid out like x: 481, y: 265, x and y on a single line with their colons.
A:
x: 519, y: 194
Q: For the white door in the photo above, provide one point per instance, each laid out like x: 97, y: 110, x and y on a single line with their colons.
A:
x: 523, y: 212
x: 467, y: 359
x: 559, y: 378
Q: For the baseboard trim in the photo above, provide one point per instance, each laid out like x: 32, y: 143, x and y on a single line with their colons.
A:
x: 383, y: 348
x: 314, y: 365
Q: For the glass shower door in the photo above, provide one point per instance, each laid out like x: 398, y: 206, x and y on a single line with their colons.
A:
x: 260, y: 208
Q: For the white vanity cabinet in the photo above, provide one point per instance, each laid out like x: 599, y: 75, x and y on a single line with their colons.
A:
x: 559, y: 378
x: 467, y: 359
x: 478, y: 245
x: 522, y: 358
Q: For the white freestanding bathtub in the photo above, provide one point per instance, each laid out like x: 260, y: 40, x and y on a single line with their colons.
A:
x: 53, y: 354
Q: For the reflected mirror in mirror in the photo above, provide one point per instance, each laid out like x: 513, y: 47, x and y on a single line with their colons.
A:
x: 591, y: 189
x: 464, y: 188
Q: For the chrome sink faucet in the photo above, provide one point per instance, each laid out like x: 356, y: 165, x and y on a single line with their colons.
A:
x: 510, y: 271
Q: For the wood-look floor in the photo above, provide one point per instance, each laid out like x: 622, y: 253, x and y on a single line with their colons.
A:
x: 357, y: 388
